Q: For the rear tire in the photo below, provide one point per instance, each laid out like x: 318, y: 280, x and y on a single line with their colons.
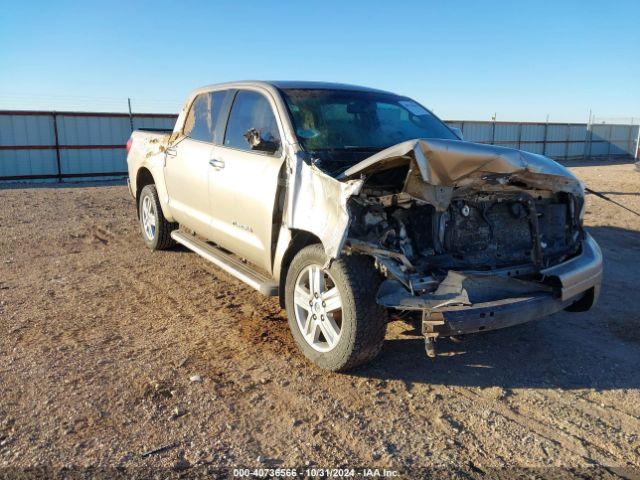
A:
x: 341, y: 340
x: 156, y: 230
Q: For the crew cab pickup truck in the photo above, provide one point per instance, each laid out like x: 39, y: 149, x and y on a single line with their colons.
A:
x: 358, y: 206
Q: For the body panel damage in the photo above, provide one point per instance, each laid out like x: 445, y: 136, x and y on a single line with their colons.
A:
x: 317, y: 203
x: 456, y: 229
x: 436, y: 168
x: 452, y: 163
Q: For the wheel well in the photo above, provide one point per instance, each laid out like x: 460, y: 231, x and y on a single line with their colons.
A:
x: 300, y: 239
x: 143, y: 178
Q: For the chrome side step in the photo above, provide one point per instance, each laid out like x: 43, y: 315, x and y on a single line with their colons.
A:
x: 230, y: 264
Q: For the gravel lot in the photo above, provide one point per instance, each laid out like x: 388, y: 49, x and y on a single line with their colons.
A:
x: 100, y: 339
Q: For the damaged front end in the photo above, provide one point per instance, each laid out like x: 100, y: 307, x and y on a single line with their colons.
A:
x: 469, y: 237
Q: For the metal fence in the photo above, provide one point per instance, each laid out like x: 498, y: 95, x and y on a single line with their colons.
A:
x: 55, y: 146
x: 561, y: 141
x: 71, y: 146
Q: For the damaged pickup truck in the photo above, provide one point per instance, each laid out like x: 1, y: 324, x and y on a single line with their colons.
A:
x: 358, y: 206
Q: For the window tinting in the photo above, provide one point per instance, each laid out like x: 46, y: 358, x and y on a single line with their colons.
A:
x: 200, y: 123
x: 251, y: 110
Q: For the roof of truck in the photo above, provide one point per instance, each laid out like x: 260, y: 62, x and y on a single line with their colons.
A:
x: 287, y: 84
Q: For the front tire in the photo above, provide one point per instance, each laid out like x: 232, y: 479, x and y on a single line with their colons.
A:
x: 333, y: 314
x: 156, y: 230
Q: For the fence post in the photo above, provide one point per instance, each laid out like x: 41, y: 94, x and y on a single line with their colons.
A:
x: 55, y: 136
x: 130, y: 114
x: 544, y: 139
x: 566, y: 145
x: 609, y: 141
x: 588, y: 138
x: 520, y: 136
x: 635, y: 154
x: 493, y: 133
x: 630, y: 139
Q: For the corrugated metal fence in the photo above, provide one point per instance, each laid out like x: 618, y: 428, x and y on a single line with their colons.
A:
x: 55, y: 146
x: 59, y: 146
x: 562, y: 141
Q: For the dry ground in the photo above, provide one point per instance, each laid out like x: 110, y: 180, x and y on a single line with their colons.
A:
x: 99, y: 338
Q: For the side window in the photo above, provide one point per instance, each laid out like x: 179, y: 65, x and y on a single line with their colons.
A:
x: 252, y: 124
x: 201, y: 120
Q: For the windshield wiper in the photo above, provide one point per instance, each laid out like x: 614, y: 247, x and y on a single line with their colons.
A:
x: 364, y: 149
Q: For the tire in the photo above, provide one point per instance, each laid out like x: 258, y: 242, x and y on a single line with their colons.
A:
x: 361, y: 321
x: 159, y: 236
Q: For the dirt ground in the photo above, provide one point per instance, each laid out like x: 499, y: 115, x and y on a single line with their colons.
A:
x: 99, y: 338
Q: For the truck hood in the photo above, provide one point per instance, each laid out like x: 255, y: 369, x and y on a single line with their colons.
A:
x: 454, y: 163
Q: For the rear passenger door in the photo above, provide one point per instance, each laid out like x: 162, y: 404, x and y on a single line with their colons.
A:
x: 244, y: 178
x: 187, y: 163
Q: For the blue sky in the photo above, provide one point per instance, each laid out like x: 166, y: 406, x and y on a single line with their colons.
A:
x: 464, y: 59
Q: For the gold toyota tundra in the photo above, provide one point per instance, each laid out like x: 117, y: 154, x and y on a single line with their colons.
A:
x: 357, y: 206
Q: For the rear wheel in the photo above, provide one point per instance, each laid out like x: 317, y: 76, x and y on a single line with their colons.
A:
x: 333, y: 314
x: 156, y: 230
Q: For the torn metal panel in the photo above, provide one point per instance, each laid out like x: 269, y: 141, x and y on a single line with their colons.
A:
x: 449, y: 162
x: 436, y: 195
x: 317, y: 203
x: 449, y: 292
x: 459, y: 289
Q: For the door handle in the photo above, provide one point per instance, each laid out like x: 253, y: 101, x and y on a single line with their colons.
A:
x: 217, y: 164
x: 171, y: 151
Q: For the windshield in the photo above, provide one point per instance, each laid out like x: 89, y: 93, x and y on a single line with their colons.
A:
x: 359, y: 120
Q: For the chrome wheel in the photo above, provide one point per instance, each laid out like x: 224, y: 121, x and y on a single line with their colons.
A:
x: 318, y: 308
x: 149, y: 217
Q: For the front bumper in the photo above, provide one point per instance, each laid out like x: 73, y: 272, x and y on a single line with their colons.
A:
x: 489, y: 303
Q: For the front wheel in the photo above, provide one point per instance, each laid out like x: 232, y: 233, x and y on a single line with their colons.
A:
x: 156, y: 230
x: 333, y: 314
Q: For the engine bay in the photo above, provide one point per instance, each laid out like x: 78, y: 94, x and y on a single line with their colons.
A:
x: 488, y: 228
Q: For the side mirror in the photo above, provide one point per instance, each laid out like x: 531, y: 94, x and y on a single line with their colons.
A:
x: 255, y: 140
x: 458, y: 132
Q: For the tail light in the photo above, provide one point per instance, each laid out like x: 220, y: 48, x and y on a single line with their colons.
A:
x: 129, y: 142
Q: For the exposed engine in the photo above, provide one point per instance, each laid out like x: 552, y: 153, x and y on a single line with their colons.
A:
x: 479, y: 231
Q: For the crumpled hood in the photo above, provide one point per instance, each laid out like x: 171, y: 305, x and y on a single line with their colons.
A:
x: 450, y: 162
x: 436, y: 169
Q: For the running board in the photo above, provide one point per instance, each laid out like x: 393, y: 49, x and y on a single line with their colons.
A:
x: 228, y: 263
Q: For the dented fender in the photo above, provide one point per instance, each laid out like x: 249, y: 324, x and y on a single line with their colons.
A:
x: 317, y: 203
